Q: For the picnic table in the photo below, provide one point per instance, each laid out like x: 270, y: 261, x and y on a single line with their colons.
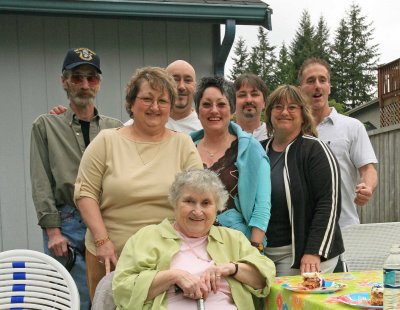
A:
x: 281, y: 298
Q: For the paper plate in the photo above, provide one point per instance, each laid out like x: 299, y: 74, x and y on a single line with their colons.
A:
x: 358, y: 300
x: 329, y: 287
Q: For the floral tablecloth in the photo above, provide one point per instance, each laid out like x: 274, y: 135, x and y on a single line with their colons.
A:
x: 283, y: 299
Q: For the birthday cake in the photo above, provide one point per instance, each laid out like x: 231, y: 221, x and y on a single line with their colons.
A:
x: 312, y: 280
x: 377, y: 295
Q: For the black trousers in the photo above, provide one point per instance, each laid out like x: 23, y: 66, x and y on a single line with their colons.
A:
x: 339, y: 266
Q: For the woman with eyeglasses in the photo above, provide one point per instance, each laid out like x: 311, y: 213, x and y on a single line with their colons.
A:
x: 303, y: 233
x: 236, y: 157
x: 125, y: 173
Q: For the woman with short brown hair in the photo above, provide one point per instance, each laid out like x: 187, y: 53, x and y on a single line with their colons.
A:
x: 125, y: 173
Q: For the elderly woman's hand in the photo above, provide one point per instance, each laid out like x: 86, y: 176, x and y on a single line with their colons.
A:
x: 192, y: 287
x: 106, y: 255
x: 212, y: 277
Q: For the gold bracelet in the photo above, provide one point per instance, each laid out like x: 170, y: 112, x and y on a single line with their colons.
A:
x: 100, y: 242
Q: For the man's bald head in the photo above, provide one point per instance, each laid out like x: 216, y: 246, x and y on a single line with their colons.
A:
x: 181, y: 65
x: 185, y: 78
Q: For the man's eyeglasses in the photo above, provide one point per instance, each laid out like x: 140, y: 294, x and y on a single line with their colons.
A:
x: 162, y: 103
x: 291, y: 108
x: 93, y: 79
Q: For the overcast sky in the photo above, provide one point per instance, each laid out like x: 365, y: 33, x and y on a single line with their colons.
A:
x: 286, y: 17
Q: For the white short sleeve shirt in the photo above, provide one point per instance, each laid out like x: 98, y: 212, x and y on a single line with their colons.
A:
x: 349, y: 141
x: 261, y: 132
x: 187, y: 125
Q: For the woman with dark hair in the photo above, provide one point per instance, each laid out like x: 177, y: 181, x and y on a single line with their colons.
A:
x: 303, y: 233
x: 236, y: 157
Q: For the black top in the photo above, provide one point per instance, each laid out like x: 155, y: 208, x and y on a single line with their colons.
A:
x: 228, y: 172
x: 85, y: 131
x: 279, y: 229
x: 312, y: 188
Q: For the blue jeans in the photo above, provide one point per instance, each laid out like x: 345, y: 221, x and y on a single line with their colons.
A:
x: 74, y: 229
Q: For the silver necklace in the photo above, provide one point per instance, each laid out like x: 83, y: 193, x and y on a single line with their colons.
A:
x: 212, y: 154
x: 209, y: 153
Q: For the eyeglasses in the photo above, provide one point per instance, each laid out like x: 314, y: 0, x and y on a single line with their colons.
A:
x: 162, y: 103
x: 291, y: 108
x: 93, y: 79
x: 210, y: 105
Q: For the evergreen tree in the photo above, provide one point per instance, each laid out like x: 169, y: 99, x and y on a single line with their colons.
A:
x: 340, y: 107
x: 240, y: 59
x: 321, y: 40
x: 340, y: 59
x: 303, y: 45
x: 262, y: 60
x: 285, y: 73
x: 354, y: 62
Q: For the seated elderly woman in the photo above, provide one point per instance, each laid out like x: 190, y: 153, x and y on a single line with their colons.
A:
x: 174, y: 264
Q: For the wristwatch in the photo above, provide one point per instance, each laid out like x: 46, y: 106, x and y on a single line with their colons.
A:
x: 258, y: 245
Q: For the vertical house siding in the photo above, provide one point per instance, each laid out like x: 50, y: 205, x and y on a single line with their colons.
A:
x: 32, y: 49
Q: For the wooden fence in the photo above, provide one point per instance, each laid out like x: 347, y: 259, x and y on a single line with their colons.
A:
x: 385, y: 203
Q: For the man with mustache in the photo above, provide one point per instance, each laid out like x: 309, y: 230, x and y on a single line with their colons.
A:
x: 251, y: 94
x: 347, y: 138
x: 57, y: 145
x: 183, y: 118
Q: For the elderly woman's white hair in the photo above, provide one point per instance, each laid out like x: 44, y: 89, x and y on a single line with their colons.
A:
x: 199, y: 181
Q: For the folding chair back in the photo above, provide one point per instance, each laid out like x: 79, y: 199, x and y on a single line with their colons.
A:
x: 33, y: 280
x: 368, y: 245
x: 103, y: 298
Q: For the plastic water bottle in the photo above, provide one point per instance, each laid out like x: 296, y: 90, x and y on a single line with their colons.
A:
x: 391, y: 279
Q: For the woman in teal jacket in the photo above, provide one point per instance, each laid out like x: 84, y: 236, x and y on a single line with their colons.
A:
x: 237, y: 158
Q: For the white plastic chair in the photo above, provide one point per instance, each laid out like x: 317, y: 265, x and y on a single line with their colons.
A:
x: 33, y: 280
x: 368, y: 245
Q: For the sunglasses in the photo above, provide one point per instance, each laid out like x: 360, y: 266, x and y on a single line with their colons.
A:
x: 71, y: 258
x: 93, y: 79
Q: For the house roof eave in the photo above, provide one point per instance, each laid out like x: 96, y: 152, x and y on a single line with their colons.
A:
x: 250, y: 13
x: 363, y: 106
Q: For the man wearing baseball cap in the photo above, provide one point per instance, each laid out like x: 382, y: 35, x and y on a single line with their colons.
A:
x: 57, y: 145
x: 81, y: 56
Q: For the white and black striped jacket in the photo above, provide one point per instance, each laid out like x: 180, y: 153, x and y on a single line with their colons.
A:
x: 312, y: 185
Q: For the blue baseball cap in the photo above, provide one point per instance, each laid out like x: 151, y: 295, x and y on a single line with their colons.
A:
x: 81, y: 56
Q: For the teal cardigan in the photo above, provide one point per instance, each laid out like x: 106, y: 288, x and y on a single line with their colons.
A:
x: 253, y: 203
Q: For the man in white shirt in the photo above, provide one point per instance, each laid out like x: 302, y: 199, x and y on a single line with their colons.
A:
x: 251, y: 95
x: 346, y: 136
x: 183, y: 117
